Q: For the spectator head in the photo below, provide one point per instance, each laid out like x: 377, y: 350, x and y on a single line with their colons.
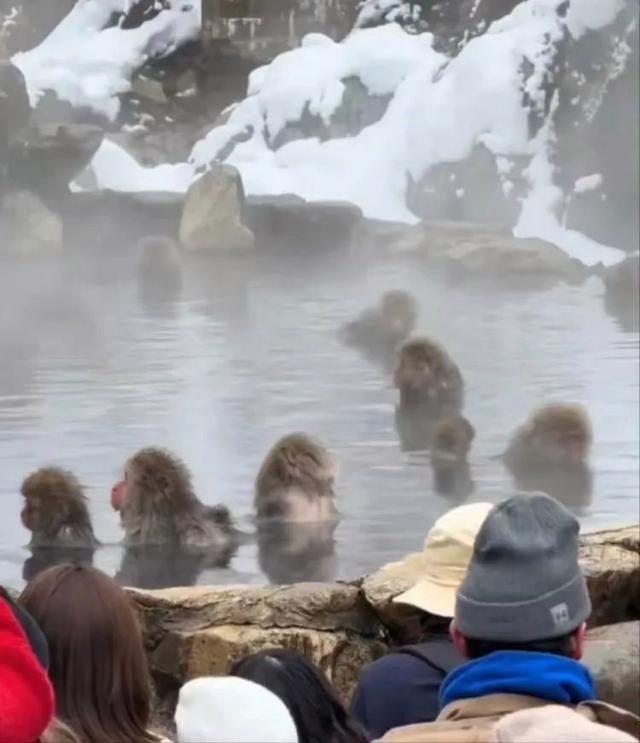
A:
x: 444, y: 561
x: 524, y: 589
x: 231, y: 710
x: 97, y: 663
x: 26, y: 696
x: 318, y: 713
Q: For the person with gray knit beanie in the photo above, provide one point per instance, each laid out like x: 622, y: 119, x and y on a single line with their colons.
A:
x: 520, y: 621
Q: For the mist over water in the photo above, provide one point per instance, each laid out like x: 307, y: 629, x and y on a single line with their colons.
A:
x: 249, y: 350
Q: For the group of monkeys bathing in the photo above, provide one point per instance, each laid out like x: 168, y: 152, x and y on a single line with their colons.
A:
x: 158, y: 507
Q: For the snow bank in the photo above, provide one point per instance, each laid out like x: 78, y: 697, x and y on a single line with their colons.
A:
x: 440, y: 109
x: 114, y: 169
x: 90, y: 65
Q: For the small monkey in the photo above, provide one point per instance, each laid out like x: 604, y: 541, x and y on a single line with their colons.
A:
x: 158, y: 506
x: 296, y: 481
x: 451, y: 441
x: 159, y: 269
x: 55, y: 510
x: 426, y: 375
x: 380, y: 330
x: 622, y: 292
x: 550, y: 452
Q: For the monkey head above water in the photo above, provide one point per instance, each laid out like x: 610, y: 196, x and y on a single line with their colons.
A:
x: 157, y: 506
x: 451, y: 440
x: 427, y: 376
x: 296, y: 481
x: 553, y: 435
x: 382, y: 329
x: 55, y: 510
x: 159, y: 269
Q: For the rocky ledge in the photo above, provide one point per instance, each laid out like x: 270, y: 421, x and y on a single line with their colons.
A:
x: 191, y: 632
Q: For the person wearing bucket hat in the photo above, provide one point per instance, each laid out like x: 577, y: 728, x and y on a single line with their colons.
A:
x: 519, y: 621
x: 402, y: 687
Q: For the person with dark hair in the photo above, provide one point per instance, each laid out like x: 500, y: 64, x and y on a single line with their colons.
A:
x: 520, y: 621
x: 318, y: 714
x: 97, y: 663
x: 26, y: 696
x: 402, y: 687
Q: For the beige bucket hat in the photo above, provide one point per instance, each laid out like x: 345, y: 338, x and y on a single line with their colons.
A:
x: 443, y: 563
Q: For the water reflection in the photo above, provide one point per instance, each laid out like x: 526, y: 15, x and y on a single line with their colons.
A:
x: 249, y: 350
x: 289, y: 553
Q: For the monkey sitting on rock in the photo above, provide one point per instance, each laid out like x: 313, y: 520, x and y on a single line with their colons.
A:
x: 55, y: 512
x: 296, y: 481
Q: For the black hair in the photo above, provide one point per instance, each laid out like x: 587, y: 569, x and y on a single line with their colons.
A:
x: 318, y: 713
x: 563, y: 646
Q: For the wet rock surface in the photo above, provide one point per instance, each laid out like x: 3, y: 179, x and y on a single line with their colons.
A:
x: 198, y: 631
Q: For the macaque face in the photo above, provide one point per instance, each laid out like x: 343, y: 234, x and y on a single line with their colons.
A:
x: 118, y: 495
x: 573, y: 446
x: 31, y: 514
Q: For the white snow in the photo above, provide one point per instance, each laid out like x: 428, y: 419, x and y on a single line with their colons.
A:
x: 114, y: 169
x: 440, y: 109
x: 90, y: 65
x: 587, y: 183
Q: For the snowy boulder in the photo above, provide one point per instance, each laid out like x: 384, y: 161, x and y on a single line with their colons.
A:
x: 212, y: 218
x: 53, y: 154
x: 290, y: 221
x: 28, y: 227
x: 480, y: 251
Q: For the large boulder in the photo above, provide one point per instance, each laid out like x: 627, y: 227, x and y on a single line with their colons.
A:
x: 212, y: 218
x: 610, y: 559
x: 191, y: 632
x: 14, y: 110
x: 487, y: 252
x: 51, y: 155
x: 28, y: 227
x: 291, y: 222
x: 613, y: 655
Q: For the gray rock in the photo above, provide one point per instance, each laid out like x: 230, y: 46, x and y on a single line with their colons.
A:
x: 487, y: 252
x: 290, y: 221
x: 14, y: 110
x: 28, y: 226
x: 212, y: 218
x: 52, y: 155
x: 613, y: 655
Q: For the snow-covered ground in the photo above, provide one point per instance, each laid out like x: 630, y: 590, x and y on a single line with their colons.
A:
x: 440, y: 108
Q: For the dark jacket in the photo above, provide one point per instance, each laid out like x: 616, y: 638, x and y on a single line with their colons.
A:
x: 402, y: 688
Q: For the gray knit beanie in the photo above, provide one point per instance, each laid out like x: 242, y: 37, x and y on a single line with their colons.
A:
x: 524, y: 582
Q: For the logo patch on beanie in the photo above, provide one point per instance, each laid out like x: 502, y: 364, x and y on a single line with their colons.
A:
x: 560, y: 615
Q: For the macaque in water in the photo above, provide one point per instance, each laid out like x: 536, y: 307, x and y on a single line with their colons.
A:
x: 550, y: 452
x: 157, y: 506
x: 451, y: 441
x: 296, y: 481
x: 159, y: 269
x: 622, y: 292
x: 55, y: 512
x: 427, y: 376
x: 380, y: 330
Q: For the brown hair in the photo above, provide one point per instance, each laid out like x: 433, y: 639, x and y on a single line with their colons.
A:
x: 98, y: 668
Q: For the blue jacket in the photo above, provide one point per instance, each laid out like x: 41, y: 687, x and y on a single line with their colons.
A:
x: 402, y: 688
